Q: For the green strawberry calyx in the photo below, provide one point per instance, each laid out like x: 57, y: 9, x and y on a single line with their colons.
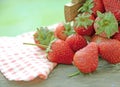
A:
x: 44, y: 36
x: 87, y: 7
x: 83, y: 20
x: 50, y: 45
x: 68, y: 29
x: 107, y: 24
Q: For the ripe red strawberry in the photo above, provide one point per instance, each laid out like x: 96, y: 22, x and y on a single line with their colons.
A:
x: 60, y: 52
x: 63, y: 30
x: 105, y: 24
x: 86, y: 59
x: 76, y: 42
x: 113, y: 6
x: 117, y: 35
x: 110, y: 51
x: 92, y: 6
x: 83, y: 24
x: 43, y: 37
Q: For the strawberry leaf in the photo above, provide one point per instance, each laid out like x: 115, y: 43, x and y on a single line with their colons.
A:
x: 44, y: 36
x: 83, y: 20
x: 87, y: 7
x: 50, y: 44
x: 68, y: 29
x: 99, y: 14
x: 107, y: 24
x: 100, y: 31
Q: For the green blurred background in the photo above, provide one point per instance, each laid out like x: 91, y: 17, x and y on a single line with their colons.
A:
x: 19, y: 16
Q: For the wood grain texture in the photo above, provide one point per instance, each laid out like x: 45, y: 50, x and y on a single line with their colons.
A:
x: 71, y: 9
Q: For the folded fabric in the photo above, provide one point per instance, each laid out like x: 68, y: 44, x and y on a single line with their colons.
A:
x: 21, y: 62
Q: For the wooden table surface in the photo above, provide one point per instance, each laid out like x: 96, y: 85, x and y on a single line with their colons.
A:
x: 59, y: 78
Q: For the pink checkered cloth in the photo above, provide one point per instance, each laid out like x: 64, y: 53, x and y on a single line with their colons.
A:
x: 20, y: 62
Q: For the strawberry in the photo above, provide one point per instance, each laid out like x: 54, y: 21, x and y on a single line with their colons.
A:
x: 117, y: 35
x: 63, y: 30
x: 105, y: 24
x: 43, y: 37
x: 92, y: 6
x: 83, y: 24
x: 98, y: 39
x: 113, y: 6
x: 86, y: 59
x: 76, y: 42
x: 109, y: 50
x: 60, y: 52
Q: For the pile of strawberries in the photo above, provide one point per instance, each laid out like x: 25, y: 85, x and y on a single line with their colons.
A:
x: 94, y: 32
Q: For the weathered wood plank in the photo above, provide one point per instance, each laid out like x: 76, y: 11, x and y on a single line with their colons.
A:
x: 71, y: 11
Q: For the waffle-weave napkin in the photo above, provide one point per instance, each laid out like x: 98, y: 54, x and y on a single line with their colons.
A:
x: 21, y: 62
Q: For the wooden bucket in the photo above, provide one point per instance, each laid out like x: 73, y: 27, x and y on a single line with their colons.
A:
x: 71, y: 9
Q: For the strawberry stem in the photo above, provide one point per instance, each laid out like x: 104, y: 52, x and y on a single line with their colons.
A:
x: 75, y: 74
x: 41, y: 45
